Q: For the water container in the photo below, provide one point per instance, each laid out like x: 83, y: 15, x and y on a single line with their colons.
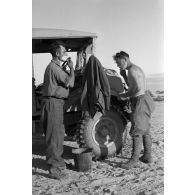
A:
x: 82, y: 159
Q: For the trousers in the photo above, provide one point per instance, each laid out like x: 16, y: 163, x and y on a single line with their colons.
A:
x: 142, y: 108
x: 52, y: 119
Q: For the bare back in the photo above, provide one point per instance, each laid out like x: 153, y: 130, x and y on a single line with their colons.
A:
x: 137, y: 81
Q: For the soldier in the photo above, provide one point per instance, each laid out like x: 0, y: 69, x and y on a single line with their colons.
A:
x: 55, y: 91
x: 142, y: 106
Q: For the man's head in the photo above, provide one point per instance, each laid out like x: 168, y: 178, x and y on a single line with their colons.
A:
x: 122, y: 59
x: 58, y: 50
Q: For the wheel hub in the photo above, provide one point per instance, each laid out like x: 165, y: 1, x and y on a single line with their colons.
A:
x: 105, y: 132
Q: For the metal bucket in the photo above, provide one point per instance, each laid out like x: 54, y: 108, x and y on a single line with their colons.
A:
x: 82, y: 159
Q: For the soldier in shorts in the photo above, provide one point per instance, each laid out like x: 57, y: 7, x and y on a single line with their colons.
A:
x: 142, y: 106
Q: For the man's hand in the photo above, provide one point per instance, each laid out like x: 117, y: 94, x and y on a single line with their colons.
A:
x: 122, y: 97
x: 70, y: 64
x: 71, y: 76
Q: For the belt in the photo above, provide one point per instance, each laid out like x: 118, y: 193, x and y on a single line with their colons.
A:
x: 49, y: 97
x: 137, y: 96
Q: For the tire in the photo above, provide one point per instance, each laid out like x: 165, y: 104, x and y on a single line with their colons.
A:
x: 103, y: 133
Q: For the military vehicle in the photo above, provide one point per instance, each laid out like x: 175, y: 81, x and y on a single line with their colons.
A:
x: 104, y: 132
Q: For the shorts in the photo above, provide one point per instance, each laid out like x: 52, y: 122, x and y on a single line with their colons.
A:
x: 142, y: 108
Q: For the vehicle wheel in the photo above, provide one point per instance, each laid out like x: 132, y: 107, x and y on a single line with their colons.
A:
x: 103, y: 133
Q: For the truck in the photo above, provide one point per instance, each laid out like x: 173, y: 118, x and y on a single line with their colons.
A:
x: 104, y: 132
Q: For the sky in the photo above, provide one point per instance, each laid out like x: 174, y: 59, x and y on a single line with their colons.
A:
x: 134, y: 26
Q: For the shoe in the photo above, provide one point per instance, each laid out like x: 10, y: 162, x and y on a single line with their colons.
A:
x: 131, y: 164
x: 56, y: 173
x: 137, y: 146
x: 146, y: 159
x: 62, y: 167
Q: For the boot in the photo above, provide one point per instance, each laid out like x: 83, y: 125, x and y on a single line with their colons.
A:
x: 137, y: 146
x: 57, y: 173
x: 147, y: 142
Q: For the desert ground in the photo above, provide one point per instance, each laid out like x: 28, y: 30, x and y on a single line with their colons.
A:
x: 105, y: 177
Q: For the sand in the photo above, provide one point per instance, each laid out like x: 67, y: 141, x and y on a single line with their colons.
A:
x: 106, y: 177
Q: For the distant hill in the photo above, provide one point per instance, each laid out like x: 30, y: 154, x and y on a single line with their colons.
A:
x: 159, y: 75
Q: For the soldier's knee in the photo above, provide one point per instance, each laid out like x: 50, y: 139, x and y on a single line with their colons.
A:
x: 147, y: 132
x: 136, y: 132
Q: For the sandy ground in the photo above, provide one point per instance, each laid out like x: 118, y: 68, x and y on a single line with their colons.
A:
x: 105, y: 177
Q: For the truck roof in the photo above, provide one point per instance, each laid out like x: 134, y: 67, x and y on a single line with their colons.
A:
x: 74, y: 40
x: 48, y: 33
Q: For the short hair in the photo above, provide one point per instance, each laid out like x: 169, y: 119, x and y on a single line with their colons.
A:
x: 120, y: 55
x: 55, y: 46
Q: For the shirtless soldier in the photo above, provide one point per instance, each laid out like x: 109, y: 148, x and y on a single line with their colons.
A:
x: 142, y: 106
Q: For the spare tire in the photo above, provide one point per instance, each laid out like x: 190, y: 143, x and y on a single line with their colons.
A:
x: 103, y: 133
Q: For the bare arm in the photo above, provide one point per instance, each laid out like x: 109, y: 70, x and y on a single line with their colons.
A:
x: 67, y: 80
x: 71, y: 78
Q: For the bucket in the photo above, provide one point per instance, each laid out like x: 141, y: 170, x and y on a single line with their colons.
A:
x: 82, y: 159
